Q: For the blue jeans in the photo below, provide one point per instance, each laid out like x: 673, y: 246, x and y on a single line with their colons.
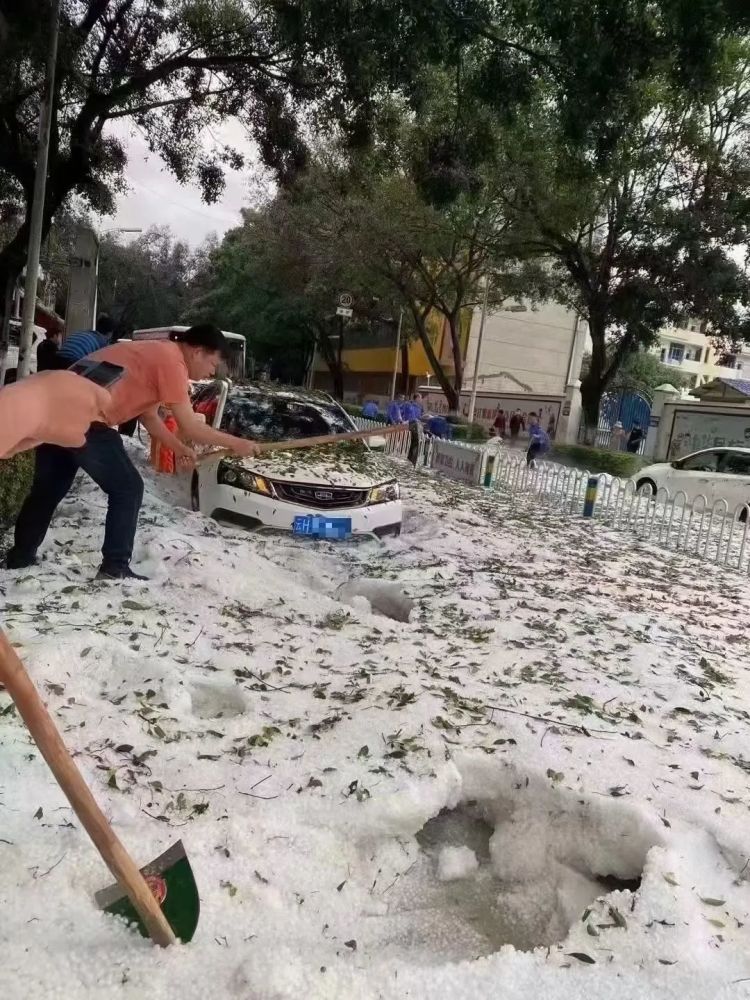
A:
x: 105, y: 460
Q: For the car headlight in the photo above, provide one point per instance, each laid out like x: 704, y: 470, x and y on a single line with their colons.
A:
x: 242, y: 479
x: 385, y: 493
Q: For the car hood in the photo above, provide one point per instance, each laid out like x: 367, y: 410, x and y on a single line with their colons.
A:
x: 338, y: 465
x: 655, y: 469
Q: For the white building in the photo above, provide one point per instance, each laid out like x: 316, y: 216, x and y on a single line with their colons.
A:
x: 692, y: 354
x: 536, y: 350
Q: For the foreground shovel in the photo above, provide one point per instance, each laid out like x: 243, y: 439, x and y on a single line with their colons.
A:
x: 163, y: 901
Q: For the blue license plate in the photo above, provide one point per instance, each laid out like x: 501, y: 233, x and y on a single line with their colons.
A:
x: 314, y: 526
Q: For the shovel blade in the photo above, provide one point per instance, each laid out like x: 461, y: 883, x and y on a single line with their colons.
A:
x: 171, y: 880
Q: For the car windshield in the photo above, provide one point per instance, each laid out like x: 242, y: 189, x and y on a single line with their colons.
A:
x: 275, y: 418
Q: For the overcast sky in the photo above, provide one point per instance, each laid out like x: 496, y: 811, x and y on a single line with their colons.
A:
x: 156, y: 199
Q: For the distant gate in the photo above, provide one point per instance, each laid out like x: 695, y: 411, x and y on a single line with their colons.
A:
x: 630, y: 408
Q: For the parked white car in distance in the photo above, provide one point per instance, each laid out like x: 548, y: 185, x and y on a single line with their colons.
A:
x: 346, y: 480
x: 714, y: 473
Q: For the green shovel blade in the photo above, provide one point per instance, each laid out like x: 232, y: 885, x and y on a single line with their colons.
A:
x: 178, y: 894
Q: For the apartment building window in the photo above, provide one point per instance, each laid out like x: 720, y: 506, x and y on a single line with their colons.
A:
x: 663, y: 355
x: 676, y: 353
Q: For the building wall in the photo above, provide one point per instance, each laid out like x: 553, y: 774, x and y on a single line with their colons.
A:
x: 688, y: 426
x: 692, y: 354
x: 528, y: 351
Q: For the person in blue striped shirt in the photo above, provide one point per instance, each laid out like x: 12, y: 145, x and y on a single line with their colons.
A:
x: 81, y: 344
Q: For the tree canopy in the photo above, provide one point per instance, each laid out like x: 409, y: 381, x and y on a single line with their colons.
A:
x: 652, y: 234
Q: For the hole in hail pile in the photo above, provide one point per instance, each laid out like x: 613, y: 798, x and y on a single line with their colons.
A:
x: 509, y: 872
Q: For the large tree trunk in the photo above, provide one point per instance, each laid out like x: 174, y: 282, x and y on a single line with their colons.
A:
x: 454, y: 325
x: 446, y: 385
x: 333, y: 358
x: 592, y: 389
x: 595, y: 381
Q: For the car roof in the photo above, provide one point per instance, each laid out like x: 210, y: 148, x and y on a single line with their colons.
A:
x: 719, y: 447
x: 295, y: 393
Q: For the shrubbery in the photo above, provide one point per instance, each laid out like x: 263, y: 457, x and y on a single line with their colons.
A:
x: 617, y: 463
x: 15, y: 480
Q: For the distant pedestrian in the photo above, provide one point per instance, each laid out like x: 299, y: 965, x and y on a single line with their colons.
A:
x: 538, y: 441
x: 394, y: 414
x: 617, y: 435
x: 46, y: 352
x: 516, y: 424
x: 439, y: 427
x: 635, y: 439
x: 371, y: 411
x: 81, y: 344
x: 501, y: 423
x: 413, y: 409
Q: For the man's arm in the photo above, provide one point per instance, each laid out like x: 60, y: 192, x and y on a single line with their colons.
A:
x: 199, y: 432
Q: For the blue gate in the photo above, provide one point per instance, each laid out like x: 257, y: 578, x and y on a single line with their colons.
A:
x: 629, y: 408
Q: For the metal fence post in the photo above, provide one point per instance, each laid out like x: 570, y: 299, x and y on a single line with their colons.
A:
x: 589, y: 502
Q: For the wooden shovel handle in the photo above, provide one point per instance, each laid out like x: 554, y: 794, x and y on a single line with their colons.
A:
x: 47, y: 737
x: 310, y: 442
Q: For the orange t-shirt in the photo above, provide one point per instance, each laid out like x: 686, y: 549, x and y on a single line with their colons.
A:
x: 155, y: 372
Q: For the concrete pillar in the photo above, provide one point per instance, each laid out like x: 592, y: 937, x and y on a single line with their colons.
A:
x: 570, y: 415
x: 79, y: 314
x: 664, y: 394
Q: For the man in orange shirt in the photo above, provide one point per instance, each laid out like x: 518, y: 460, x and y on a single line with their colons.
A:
x: 156, y: 371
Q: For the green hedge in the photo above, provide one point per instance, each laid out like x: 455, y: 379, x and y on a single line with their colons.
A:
x: 15, y: 479
x: 468, y: 432
x: 616, y: 463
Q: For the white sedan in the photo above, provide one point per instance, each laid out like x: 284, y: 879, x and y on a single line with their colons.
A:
x: 715, y: 474
x: 346, y: 480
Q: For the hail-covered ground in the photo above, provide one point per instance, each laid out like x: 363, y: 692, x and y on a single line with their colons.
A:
x: 537, y: 787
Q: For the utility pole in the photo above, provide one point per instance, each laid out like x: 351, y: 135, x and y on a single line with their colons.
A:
x: 477, y: 359
x: 37, y: 205
x: 396, y: 358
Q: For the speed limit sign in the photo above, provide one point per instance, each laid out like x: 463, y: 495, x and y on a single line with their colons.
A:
x: 346, y: 300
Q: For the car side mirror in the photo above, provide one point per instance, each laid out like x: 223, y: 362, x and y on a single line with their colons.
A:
x: 676, y: 465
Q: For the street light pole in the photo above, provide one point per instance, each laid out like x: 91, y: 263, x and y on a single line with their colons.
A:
x: 37, y: 204
x: 398, y: 350
x: 473, y: 402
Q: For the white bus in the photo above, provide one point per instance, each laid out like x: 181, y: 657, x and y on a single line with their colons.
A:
x: 235, y: 363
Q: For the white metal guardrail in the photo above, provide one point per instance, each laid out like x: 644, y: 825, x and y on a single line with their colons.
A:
x: 395, y: 444
x: 712, y: 533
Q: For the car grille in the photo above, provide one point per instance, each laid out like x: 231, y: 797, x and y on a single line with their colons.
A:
x: 321, y: 497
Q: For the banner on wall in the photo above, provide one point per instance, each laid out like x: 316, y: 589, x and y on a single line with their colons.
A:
x: 489, y: 405
x: 457, y: 462
x: 694, y: 429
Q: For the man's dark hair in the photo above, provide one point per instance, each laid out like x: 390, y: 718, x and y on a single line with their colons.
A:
x: 105, y: 325
x: 204, y: 335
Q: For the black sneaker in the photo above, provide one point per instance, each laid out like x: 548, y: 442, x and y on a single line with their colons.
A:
x: 118, y: 573
x: 14, y: 560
